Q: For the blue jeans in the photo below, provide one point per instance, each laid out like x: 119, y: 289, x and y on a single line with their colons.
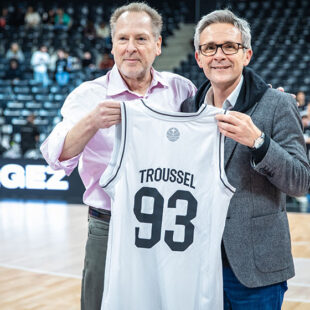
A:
x: 62, y: 78
x: 41, y: 77
x: 239, y: 297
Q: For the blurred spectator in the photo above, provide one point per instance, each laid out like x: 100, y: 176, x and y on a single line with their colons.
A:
x: 48, y: 18
x: 13, y: 72
x: 74, y: 63
x: 32, y: 18
x: 90, y: 30
x: 4, y: 18
x: 62, y: 20
x: 29, y: 135
x: 88, y: 61
x: 40, y: 62
x: 308, y: 109
x: 306, y: 126
x: 15, y: 52
x: 106, y: 62
x: 61, y: 68
x: 305, y: 120
x: 53, y: 59
x: 103, y: 32
x: 301, y: 99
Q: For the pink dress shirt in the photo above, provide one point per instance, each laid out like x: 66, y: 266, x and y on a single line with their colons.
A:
x: 166, y: 92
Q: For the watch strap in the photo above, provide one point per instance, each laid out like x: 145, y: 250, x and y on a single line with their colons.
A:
x: 259, y: 154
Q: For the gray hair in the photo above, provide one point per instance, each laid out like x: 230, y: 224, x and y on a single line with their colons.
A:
x: 226, y: 17
x: 157, y: 22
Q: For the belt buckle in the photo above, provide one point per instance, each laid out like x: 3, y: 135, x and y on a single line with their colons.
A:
x: 100, y: 216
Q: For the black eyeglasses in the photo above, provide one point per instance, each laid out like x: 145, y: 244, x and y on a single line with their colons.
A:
x: 228, y: 48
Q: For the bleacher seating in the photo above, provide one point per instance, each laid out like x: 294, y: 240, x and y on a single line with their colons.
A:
x: 280, y: 42
x: 280, y: 55
x: 19, y: 98
x: 18, y: 101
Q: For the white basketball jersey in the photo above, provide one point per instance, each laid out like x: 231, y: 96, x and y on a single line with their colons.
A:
x: 170, y: 197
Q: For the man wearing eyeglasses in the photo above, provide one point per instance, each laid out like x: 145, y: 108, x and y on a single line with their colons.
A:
x: 265, y: 159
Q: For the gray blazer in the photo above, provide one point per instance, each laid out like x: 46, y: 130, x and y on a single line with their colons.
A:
x: 256, y: 236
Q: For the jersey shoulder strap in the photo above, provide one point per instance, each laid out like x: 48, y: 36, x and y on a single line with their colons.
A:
x: 113, y: 168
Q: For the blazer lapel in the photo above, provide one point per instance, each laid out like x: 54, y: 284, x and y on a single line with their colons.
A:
x: 229, y: 146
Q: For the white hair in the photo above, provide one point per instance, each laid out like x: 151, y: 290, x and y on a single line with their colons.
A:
x: 157, y: 22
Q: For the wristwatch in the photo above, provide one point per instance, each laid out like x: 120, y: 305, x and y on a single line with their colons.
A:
x: 259, y: 141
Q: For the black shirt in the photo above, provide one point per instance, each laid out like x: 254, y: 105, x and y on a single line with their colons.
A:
x: 28, y: 132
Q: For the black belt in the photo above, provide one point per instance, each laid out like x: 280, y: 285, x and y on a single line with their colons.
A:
x: 100, y: 214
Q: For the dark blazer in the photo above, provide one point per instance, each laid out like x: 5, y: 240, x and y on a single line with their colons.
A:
x: 256, y: 236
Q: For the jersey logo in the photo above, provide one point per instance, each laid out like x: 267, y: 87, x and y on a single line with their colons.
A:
x: 173, y: 134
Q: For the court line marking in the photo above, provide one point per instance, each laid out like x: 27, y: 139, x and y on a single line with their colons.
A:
x: 301, y: 259
x: 58, y: 274
x: 298, y: 284
x: 66, y: 275
x: 306, y: 301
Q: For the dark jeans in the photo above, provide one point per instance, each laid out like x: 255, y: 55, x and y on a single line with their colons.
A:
x: 239, y: 297
x: 94, y: 264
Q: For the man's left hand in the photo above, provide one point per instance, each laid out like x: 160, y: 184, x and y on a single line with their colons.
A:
x: 239, y: 127
x: 280, y: 88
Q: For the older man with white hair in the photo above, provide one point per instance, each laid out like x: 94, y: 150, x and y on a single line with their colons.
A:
x: 85, y: 137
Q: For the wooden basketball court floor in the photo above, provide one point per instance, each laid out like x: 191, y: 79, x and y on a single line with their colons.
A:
x: 42, y: 251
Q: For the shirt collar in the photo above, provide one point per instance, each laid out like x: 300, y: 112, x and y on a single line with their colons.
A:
x: 116, y: 84
x: 158, y: 79
x: 230, y: 100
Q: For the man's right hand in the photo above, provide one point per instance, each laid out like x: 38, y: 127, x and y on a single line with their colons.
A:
x: 106, y: 114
